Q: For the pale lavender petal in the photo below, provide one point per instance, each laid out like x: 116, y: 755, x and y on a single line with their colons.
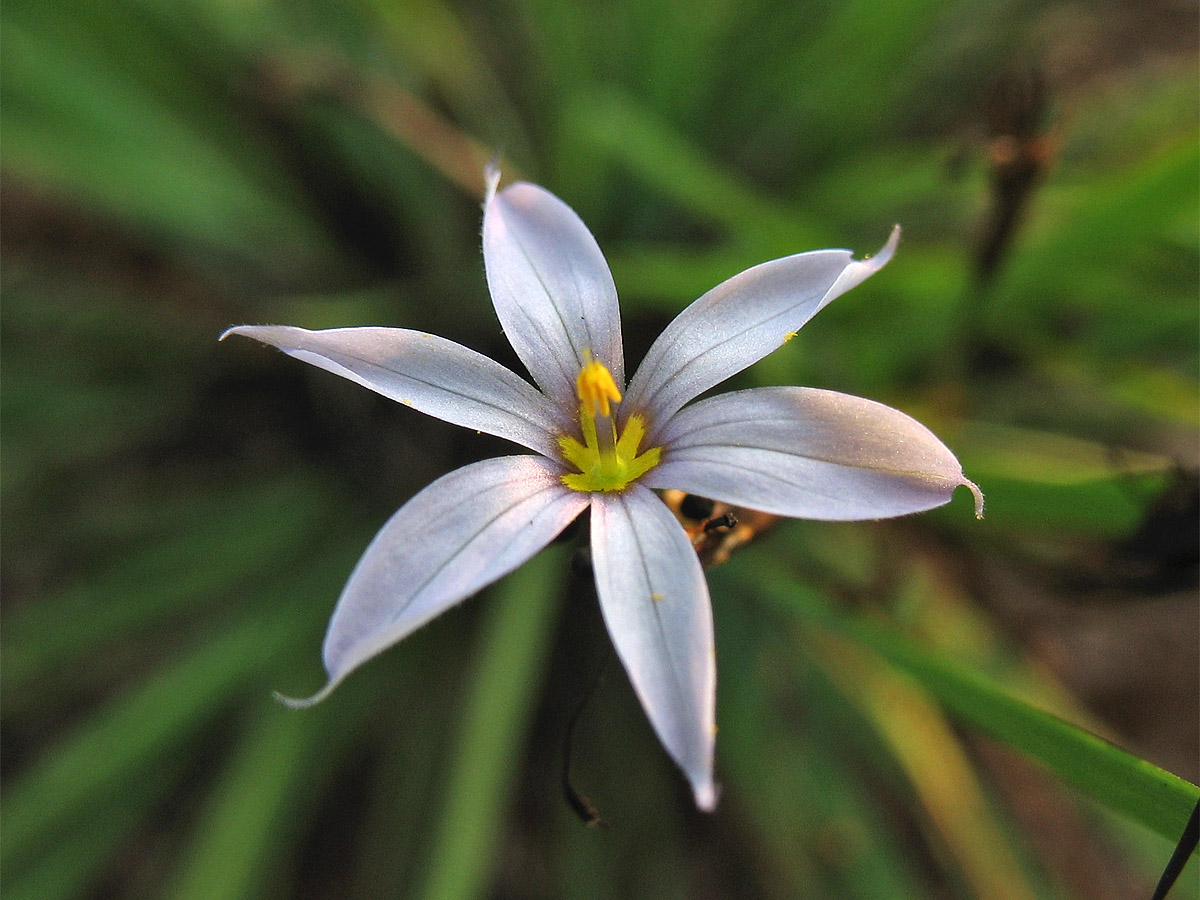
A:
x: 808, y: 454
x: 430, y: 374
x: 458, y: 535
x: 739, y: 322
x: 655, y: 604
x: 552, y: 289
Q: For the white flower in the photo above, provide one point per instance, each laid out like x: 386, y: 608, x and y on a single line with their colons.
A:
x: 601, y: 445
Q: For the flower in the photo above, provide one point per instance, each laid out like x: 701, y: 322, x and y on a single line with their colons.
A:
x: 605, y: 445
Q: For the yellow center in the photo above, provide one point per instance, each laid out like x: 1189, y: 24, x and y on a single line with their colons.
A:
x: 606, y: 461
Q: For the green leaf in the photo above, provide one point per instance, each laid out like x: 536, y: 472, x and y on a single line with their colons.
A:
x: 834, y: 843
x: 249, y: 530
x: 266, y: 790
x: 512, y: 644
x: 1130, y: 786
x: 1047, y: 483
x: 131, y: 732
x: 154, y: 718
x: 66, y: 868
x: 630, y: 134
x: 104, y: 139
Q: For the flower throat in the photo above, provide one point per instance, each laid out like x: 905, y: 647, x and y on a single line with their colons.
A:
x: 607, y: 461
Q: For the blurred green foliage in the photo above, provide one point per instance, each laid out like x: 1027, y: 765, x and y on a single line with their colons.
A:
x: 906, y: 707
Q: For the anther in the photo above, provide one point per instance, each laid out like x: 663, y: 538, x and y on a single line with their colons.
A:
x: 596, y: 388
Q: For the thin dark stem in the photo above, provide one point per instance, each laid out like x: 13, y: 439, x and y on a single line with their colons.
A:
x: 1183, y: 850
x: 581, y: 805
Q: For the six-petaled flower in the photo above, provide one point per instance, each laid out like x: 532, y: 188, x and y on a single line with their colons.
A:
x: 607, y: 445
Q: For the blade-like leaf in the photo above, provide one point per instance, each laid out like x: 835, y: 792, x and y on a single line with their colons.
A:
x: 1131, y: 786
x: 513, y: 643
x: 270, y: 783
x: 135, y: 729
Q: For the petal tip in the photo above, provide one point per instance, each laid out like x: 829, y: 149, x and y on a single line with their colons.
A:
x: 491, y: 178
x: 305, y: 702
x: 978, y: 494
x: 880, y: 259
x: 707, y: 794
x: 258, y: 332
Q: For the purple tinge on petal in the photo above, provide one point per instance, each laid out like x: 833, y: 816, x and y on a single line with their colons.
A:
x: 552, y: 289
x: 655, y: 604
x: 429, y: 373
x: 808, y: 454
x: 739, y: 322
x: 458, y: 535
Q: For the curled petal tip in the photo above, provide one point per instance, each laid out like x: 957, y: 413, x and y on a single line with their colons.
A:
x: 881, y: 258
x: 306, y: 702
x: 228, y: 331
x: 978, y: 494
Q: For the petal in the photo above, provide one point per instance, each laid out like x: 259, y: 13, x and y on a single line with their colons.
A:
x: 808, y: 454
x: 458, y: 535
x: 655, y: 604
x: 428, y: 373
x: 552, y: 289
x: 739, y: 322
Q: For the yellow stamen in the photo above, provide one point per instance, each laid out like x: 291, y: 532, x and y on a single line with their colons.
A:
x: 606, y: 460
x: 596, y: 388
